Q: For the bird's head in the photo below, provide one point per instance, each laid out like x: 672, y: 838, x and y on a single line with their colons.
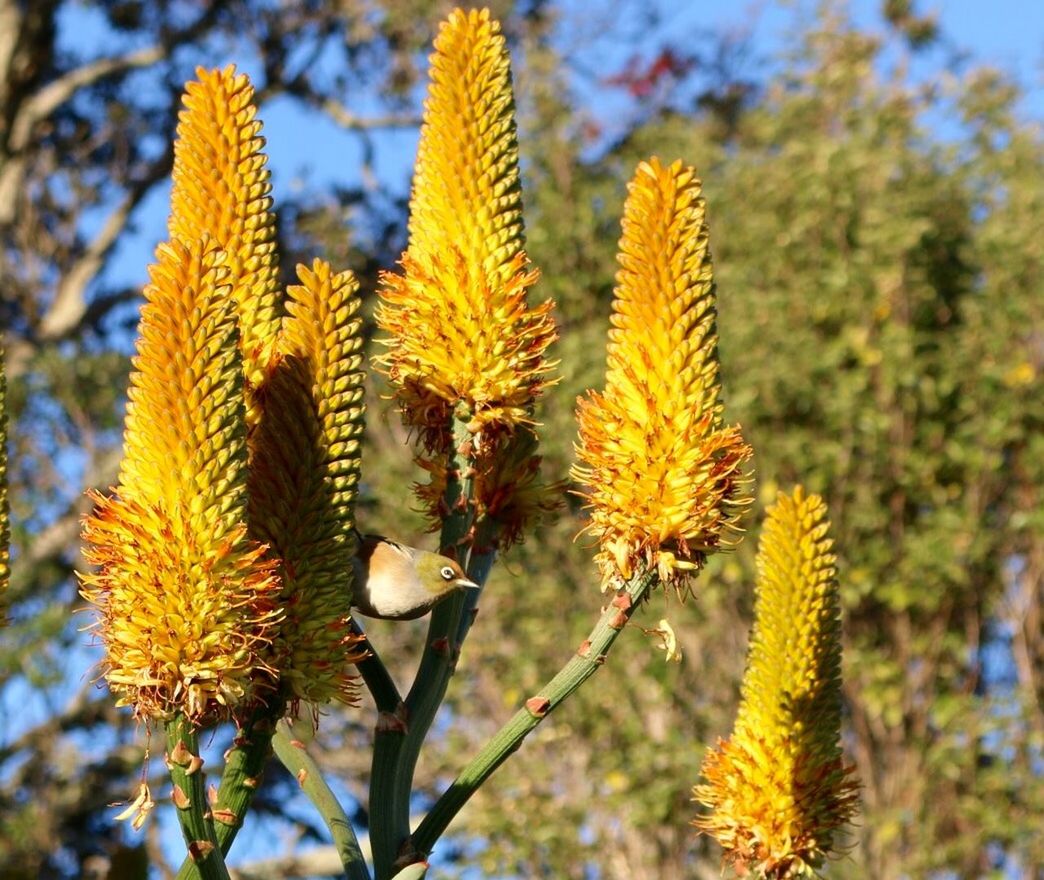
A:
x: 440, y: 574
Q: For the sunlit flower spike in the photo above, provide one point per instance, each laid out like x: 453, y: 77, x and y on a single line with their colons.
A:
x: 777, y: 789
x: 186, y: 601
x: 662, y: 473
x: 464, y: 341
x: 304, y: 479
x: 463, y: 338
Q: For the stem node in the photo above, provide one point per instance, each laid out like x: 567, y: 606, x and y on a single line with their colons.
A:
x: 538, y: 706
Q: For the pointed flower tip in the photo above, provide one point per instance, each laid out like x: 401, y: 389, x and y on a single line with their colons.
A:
x: 221, y: 188
x: 778, y: 791
x: 185, y: 429
x: 664, y: 476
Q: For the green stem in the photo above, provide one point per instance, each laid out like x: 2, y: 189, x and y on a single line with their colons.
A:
x: 391, y: 713
x: 507, y: 740
x: 190, y: 799
x: 301, y: 766
x: 244, y: 765
x: 386, y: 829
x: 480, y: 564
x: 375, y: 674
x: 397, y: 746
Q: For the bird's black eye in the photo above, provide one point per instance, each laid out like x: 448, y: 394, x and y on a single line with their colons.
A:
x: 447, y: 573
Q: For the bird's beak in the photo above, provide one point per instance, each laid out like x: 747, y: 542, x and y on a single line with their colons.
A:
x: 467, y: 585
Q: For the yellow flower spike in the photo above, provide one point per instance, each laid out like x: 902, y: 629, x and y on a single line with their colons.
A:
x: 304, y: 480
x: 664, y: 474
x: 467, y: 193
x: 463, y: 338
x: 220, y: 188
x: 5, y: 529
x: 186, y: 601
x: 778, y: 789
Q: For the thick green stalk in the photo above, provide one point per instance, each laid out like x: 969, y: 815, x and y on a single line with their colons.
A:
x: 480, y: 564
x: 301, y: 766
x: 244, y: 764
x: 397, y: 745
x: 375, y: 675
x: 580, y: 667
x: 190, y: 799
x: 391, y: 713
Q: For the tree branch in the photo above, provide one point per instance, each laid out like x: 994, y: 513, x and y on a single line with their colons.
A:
x: 58, y: 91
x: 69, y: 305
x: 81, y: 713
x: 300, y: 88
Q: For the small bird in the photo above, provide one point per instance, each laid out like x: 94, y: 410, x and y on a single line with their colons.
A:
x: 396, y: 582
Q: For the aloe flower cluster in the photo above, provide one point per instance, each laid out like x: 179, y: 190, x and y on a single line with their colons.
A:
x: 242, y: 431
x: 223, y: 557
x: 464, y: 341
x: 663, y: 472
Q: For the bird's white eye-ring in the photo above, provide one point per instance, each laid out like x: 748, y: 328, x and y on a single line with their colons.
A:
x: 447, y: 573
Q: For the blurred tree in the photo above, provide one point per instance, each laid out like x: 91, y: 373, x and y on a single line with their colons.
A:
x: 880, y: 299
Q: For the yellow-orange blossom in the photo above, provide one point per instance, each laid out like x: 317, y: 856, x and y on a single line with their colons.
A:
x: 464, y: 340
x: 663, y: 473
x: 186, y: 600
x: 777, y: 789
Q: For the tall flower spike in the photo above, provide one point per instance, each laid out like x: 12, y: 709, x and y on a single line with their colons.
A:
x: 778, y: 789
x: 185, y: 600
x: 663, y: 472
x: 463, y: 338
x: 304, y: 480
x: 220, y: 188
x: 5, y: 529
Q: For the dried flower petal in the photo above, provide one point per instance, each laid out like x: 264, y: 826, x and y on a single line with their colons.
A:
x: 507, y: 487
x: 138, y: 810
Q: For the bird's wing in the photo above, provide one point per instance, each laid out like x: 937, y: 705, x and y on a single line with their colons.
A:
x: 369, y: 543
